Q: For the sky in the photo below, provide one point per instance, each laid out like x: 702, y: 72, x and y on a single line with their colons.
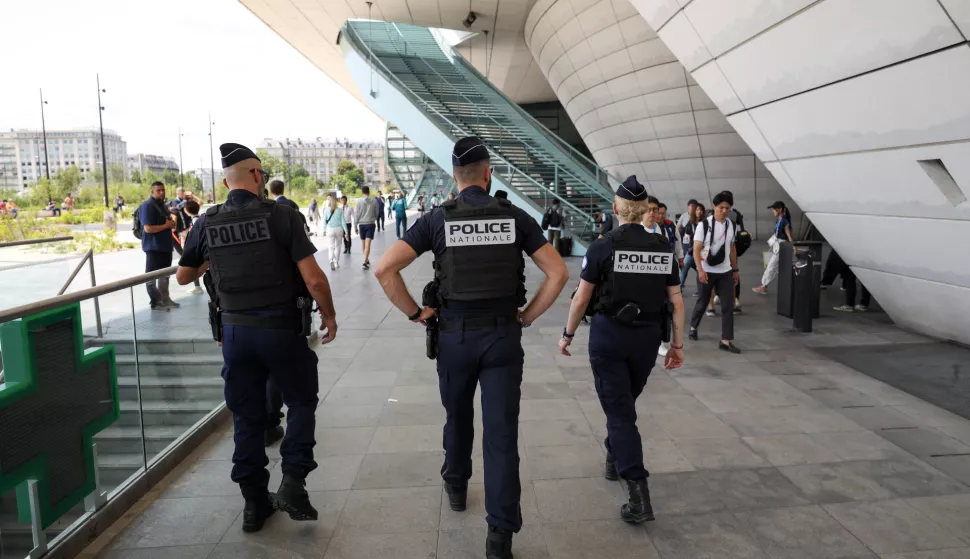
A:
x: 164, y: 65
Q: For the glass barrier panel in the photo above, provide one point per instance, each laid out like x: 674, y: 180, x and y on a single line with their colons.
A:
x: 16, y: 540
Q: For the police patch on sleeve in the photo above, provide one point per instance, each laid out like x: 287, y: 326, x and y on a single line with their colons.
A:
x: 585, y: 262
x: 636, y: 262
x: 481, y: 232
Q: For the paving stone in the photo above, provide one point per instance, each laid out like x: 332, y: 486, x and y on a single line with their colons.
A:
x: 282, y: 537
x: 545, y: 410
x: 470, y: 543
x: 474, y: 515
x: 564, y: 500
x: 957, y: 467
x: 176, y: 552
x: 367, y: 379
x: 756, y: 488
x: 545, y: 390
x: 718, y: 535
x: 680, y: 426
x: 878, y: 417
x: 564, y: 432
x: 801, y: 533
x: 414, y: 545
x: 410, y: 438
x: 870, y: 480
x: 663, y: 456
x: 557, y: 462
x: 859, y: 445
x: 391, y: 511
x: 682, y: 493
x: 786, y: 450
x: 348, y: 416
x: 950, y: 511
x: 358, y: 396
x: 397, y: 414
x: 606, y: 539
x: 924, y: 442
x: 415, y: 394
x: 333, y: 473
x: 892, y: 526
x: 710, y: 454
x: 406, y: 469
x: 342, y: 441
x: 961, y: 553
x: 184, y: 521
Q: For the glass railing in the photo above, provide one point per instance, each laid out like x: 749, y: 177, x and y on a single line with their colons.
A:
x: 86, y: 413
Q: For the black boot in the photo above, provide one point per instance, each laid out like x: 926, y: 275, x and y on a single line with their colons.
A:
x: 259, y: 507
x: 273, y: 434
x: 609, y: 471
x: 638, y: 509
x: 457, y: 496
x: 498, y: 544
x: 292, y: 498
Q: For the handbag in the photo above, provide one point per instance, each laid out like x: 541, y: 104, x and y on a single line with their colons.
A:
x: 774, y: 243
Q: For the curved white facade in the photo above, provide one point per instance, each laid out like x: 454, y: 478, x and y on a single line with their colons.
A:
x: 640, y: 112
x: 842, y: 100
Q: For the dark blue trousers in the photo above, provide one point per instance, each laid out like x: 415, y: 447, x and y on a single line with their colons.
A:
x: 494, y: 358
x: 252, y: 355
x: 622, y: 357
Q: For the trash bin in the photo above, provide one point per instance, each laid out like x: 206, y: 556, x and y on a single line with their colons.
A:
x: 786, y: 277
x: 803, y: 287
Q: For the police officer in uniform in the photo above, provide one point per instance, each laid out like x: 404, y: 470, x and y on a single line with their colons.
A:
x: 477, y: 241
x: 627, y: 275
x: 263, y: 268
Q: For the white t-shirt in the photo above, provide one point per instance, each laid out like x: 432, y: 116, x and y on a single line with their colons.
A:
x: 723, y: 233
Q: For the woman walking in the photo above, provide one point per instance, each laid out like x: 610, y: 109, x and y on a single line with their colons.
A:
x: 782, y: 233
x: 313, y: 214
x: 688, y: 241
x: 334, y: 229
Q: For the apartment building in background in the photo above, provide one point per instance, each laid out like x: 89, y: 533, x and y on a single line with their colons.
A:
x: 23, y: 161
x: 321, y: 157
x: 144, y: 162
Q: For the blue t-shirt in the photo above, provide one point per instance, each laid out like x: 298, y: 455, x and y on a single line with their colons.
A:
x: 380, y: 205
x: 780, y: 228
x: 152, y: 212
x: 400, y: 208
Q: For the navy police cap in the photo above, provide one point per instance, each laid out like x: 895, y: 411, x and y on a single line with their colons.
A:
x: 234, y: 153
x: 631, y: 189
x: 468, y: 150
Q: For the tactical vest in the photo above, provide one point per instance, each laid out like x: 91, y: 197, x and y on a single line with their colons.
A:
x: 482, y: 259
x: 636, y: 273
x: 250, y: 267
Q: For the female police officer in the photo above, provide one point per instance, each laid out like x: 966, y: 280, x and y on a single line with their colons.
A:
x: 631, y: 273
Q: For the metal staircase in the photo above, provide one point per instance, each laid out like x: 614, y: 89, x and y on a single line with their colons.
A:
x: 415, y: 172
x: 526, y: 156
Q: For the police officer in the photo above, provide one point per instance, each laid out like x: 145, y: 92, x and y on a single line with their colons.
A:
x: 477, y: 241
x: 263, y: 266
x: 628, y: 275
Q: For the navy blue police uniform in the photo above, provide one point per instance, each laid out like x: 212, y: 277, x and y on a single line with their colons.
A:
x: 631, y: 269
x: 478, y: 241
x: 252, y: 246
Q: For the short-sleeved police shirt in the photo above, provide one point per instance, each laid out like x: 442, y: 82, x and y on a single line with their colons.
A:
x: 428, y: 232
x: 287, y: 225
x: 599, y: 256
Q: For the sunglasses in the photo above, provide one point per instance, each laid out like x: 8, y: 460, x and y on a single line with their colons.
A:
x: 262, y: 173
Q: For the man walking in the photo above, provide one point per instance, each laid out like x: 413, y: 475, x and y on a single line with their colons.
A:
x: 380, y: 211
x: 553, y: 219
x: 400, y: 216
x: 156, y: 241
x: 365, y: 219
x: 276, y: 189
x: 717, y: 269
x: 684, y: 220
x: 348, y: 222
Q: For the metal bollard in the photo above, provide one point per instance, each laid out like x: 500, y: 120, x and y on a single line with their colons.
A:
x: 802, y: 291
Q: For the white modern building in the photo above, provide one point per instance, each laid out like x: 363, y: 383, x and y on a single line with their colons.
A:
x: 855, y: 112
x: 157, y: 164
x: 24, y: 153
x: 320, y: 157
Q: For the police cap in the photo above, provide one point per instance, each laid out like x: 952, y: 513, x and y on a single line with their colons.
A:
x: 631, y: 189
x: 234, y: 153
x: 468, y: 150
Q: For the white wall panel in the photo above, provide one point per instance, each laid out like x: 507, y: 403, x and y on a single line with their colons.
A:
x: 724, y: 24
x: 711, y: 79
x: 795, y: 56
x: 656, y: 12
x: 959, y: 11
x: 680, y: 38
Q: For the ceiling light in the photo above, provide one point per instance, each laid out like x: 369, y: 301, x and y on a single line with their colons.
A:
x: 469, y: 19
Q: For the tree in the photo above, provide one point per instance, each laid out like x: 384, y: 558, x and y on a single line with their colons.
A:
x: 274, y: 166
x: 149, y: 177
x: 116, y: 172
x: 345, y: 166
x: 67, y: 180
x: 170, y: 177
x: 300, y: 171
x: 355, y: 175
x: 341, y: 182
x: 136, y: 177
x: 191, y: 182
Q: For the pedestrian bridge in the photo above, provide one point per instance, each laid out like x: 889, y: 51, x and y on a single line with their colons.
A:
x: 782, y: 451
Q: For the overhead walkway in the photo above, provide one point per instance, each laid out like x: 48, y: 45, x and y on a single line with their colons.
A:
x: 416, y: 173
x: 453, y: 98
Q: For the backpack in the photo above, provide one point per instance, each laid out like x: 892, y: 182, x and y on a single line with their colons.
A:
x: 742, y: 239
x: 555, y: 218
x: 136, y: 227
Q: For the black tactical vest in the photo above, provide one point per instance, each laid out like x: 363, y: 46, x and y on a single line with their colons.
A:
x: 250, y: 267
x: 637, y: 273
x: 482, y: 259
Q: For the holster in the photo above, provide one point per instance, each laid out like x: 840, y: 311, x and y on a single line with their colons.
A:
x: 431, y: 298
x: 215, y: 312
x: 305, y: 306
x: 666, y: 321
x: 628, y: 314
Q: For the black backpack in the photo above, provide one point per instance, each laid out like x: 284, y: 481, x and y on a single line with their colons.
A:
x: 136, y: 227
x: 555, y: 218
x: 742, y: 239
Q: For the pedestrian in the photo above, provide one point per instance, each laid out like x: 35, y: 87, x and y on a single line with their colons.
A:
x: 400, y: 215
x: 52, y: 207
x: 835, y: 267
x: 421, y: 206
x: 313, y: 213
x: 781, y: 233
x: 389, y: 208
x: 182, y: 221
x: 333, y: 229
x: 628, y: 276
x: 276, y: 188
x: 348, y: 223
x: 688, y: 246
x: 435, y: 200
x: 119, y: 202
x: 552, y: 221
x: 686, y: 218
x: 191, y: 209
x: 451, y: 196
x: 718, y: 273
x: 481, y: 282
x: 380, y: 211
x: 670, y: 233
x: 157, y: 243
x: 502, y: 194
x: 68, y: 204
x: 264, y: 272
x: 365, y: 222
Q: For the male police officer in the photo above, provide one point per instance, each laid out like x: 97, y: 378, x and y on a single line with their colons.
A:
x: 263, y: 266
x: 632, y: 273
x: 477, y: 242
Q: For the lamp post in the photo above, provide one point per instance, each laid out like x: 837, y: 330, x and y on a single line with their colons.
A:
x: 104, y: 154
x: 43, y: 127
x: 181, y: 168
x: 212, y: 164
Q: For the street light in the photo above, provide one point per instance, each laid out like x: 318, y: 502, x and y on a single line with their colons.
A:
x: 212, y: 164
x: 104, y: 154
x: 181, y: 168
x: 43, y: 126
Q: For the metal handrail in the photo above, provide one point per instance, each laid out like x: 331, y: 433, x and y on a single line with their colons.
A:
x: 390, y: 76
x: 35, y: 241
x: 89, y: 258
x: 14, y: 313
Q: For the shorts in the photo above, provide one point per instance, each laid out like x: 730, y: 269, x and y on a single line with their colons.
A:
x: 367, y: 230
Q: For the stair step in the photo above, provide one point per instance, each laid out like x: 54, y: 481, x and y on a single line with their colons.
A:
x: 171, y: 389
x: 125, y: 441
x: 125, y: 346
x: 184, y: 413
x: 171, y: 366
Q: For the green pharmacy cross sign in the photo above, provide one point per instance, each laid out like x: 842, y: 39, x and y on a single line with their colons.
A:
x: 57, y: 397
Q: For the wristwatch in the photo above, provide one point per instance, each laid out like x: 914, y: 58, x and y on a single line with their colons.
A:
x: 416, y: 315
x: 522, y: 323
x: 568, y: 336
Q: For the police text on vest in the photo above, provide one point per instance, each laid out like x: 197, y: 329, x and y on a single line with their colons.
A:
x: 479, y: 232
x: 229, y: 234
x: 642, y: 262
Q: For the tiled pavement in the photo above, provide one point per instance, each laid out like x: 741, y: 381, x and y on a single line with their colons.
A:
x: 777, y: 453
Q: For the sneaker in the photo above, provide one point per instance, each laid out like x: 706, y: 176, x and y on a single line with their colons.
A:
x: 696, y: 294
x: 366, y: 265
x: 160, y: 308
x: 728, y: 347
x: 196, y: 290
x: 717, y: 299
x: 843, y: 308
x: 173, y: 305
x: 709, y: 312
x: 760, y: 290
x: 333, y: 266
x: 861, y: 308
x: 737, y: 309
x: 692, y: 335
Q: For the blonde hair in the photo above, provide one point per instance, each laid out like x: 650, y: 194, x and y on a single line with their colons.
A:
x: 630, y: 211
x: 332, y: 202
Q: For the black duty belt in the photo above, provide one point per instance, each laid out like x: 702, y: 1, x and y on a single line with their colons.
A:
x: 453, y: 324
x: 271, y: 322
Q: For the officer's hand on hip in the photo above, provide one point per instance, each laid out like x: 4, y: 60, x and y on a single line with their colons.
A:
x: 328, y: 323
x: 702, y: 276
x: 426, y: 313
x: 674, y: 358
